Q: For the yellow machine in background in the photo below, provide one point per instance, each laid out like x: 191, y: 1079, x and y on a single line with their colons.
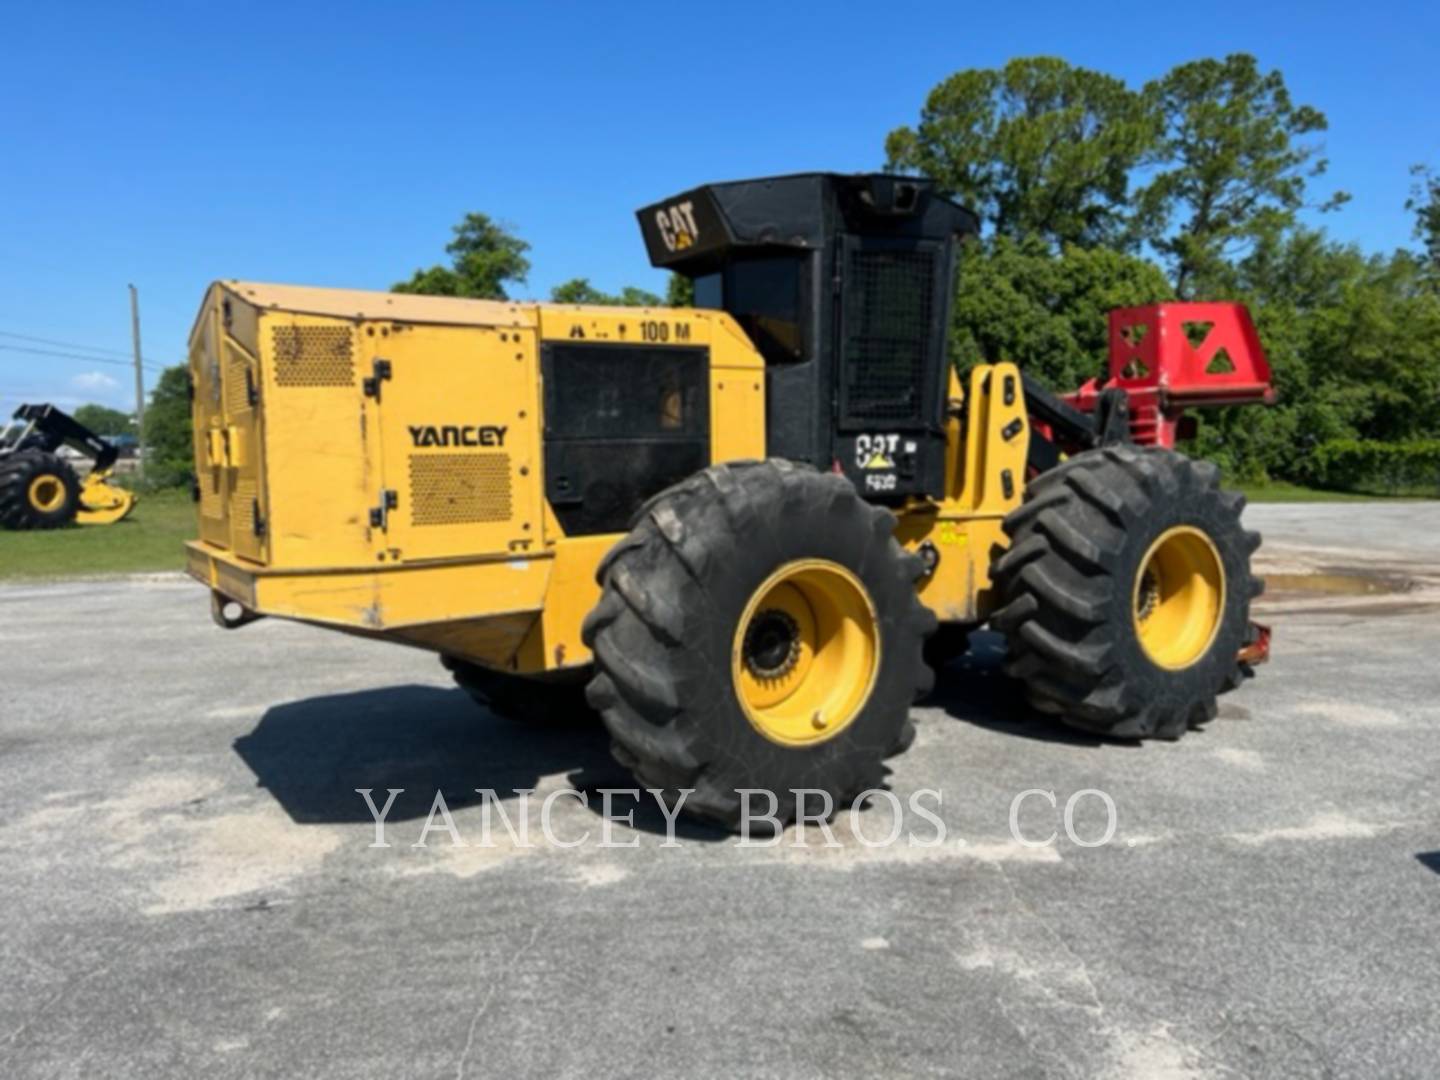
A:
x: 735, y: 525
x: 41, y: 490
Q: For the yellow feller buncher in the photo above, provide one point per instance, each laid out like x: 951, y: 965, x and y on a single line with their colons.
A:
x: 41, y: 490
x: 732, y: 528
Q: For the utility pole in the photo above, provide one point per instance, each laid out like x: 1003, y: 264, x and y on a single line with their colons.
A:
x: 139, y: 376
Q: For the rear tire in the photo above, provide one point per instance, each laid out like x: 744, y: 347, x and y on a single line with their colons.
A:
x: 721, y: 640
x: 1126, y: 592
x: 37, y: 491
x: 555, y: 699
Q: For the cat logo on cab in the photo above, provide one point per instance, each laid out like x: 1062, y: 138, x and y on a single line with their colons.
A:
x: 677, y: 226
x: 876, y: 451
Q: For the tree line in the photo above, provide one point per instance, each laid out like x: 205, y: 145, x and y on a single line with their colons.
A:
x: 1095, y: 194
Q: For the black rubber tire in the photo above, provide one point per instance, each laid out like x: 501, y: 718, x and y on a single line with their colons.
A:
x: 673, y: 592
x: 21, y: 469
x: 949, y: 642
x: 557, y: 699
x: 1066, y: 588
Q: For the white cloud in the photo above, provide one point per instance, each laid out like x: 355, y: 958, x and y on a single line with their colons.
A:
x: 94, y: 381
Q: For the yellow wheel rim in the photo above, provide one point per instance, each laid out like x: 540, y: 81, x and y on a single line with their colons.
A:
x: 1179, y: 597
x: 47, y: 493
x: 806, y: 653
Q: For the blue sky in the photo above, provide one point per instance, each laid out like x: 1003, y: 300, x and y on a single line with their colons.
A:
x: 171, y: 144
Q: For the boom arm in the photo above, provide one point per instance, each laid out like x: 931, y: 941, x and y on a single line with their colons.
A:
x: 55, y: 427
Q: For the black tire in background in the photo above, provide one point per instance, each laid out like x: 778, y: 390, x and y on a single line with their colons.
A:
x: 674, y: 593
x: 27, y: 471
x: 1071, y: 599
x: 949, y: 642
x: 555, y: 699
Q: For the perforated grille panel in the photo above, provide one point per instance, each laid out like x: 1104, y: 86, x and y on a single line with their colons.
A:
x: 459, y: 489
x: 243, y: 504
x: 212, y: 503
x: 889, y: 304
x: 237, y: 390
x: 313, y: 356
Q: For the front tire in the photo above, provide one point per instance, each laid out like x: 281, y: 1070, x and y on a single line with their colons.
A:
x: 37, y: 491
x: 1126, y: 592
x: 758, y: 628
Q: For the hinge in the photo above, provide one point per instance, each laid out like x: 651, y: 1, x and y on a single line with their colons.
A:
x: 379, y: 372
x: 252, y: 392
x: 257, y: 520
x: 380, y: 515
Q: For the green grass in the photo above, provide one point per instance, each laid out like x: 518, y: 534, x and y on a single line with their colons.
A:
x: 1278, y: 491
x: 149, y: 539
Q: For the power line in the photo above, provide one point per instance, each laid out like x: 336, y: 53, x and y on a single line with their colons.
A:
x: 68, y: 345
x: 78, y: 356
x: 62, y: 344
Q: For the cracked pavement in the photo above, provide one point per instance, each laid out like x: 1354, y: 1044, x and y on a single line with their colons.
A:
x: 189, y: 887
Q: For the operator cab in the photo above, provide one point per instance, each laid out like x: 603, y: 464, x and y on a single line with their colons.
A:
x: 843, y: 283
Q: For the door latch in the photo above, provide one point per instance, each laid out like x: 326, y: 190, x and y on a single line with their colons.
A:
x: 380, y: 515
x: 379, y: 372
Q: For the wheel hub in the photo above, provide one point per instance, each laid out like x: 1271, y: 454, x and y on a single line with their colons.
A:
x: 47, y: 493
x: 772, y: 644
x: 1179, y: 597
x: 806, y: 653
x: 1149, y: 595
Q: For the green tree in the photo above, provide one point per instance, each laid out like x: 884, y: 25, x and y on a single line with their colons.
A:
x: 1353, y: 342
x: 1425, y: 202
x: 1229, y: 166
x: 483, y: 257
x: 580, y: 291
x: 679, y: 291
x: 1227, y: 161
x: 1037, y: 148
x: 169, y: 459
x: 1017, y: 300
x: 104, y: 420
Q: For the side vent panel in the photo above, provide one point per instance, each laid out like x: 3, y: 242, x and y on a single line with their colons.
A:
x: 459, y: 489
x: 212, y: 499
x: 243, y: 502
x: 237, y: 397
x: 313, y: 356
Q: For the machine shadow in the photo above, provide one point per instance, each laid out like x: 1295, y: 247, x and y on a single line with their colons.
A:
x: 1430, y: 860
x: 972, y: 687
x: 313, y: 754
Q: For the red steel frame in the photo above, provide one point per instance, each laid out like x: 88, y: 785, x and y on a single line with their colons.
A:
x: 1153, y: 361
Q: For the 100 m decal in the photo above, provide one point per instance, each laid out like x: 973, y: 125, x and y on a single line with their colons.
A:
x: 653, y: 330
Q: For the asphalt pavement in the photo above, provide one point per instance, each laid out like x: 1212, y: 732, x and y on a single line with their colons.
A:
x: 189, y: 885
